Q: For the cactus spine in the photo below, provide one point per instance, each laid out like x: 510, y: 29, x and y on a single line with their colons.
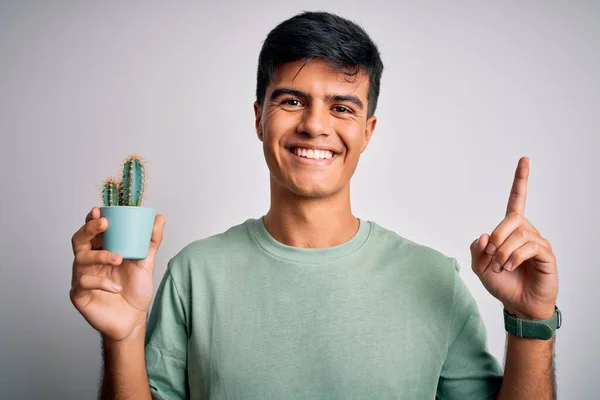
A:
x: 129, y: 189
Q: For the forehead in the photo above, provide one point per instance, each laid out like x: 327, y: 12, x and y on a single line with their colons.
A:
x: 316, y: 76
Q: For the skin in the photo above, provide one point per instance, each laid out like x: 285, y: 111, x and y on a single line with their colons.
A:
x: 515, y: 263
x: 114, y: 296
x: 310, y: 205
x: 518, y: 267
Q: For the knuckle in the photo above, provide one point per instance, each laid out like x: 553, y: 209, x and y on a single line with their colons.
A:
x: 516, y: 218
x: 501, y: 256
x: 105, y: 256
x: 77, y: 260
x: 89, y: 228
x: 82, y: 281
x: 494, y: 238
x: 518, y: 252
x: 82, y: 258
x: 97, y: 257
x: 521, y: 233
x: 90, y: 215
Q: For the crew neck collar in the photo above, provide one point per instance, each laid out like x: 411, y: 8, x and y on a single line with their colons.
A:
x: 307, y: 255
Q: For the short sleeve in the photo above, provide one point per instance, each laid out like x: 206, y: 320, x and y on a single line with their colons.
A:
x: 166, y: 343
x: 469, y: 370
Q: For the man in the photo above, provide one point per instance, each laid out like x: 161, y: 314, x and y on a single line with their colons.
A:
x: 310, y: 301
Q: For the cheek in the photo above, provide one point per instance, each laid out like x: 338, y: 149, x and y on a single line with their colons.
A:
x: 278, y: 123
x: 351, y: 134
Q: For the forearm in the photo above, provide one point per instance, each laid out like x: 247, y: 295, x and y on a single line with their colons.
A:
x: 529, y: 369
x: 124, y: 373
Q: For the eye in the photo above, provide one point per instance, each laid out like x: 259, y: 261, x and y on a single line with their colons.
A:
x: 291, y: 102
x: 343, y: 109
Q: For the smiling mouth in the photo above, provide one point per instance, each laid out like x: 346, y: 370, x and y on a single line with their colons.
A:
x: 313, y: 155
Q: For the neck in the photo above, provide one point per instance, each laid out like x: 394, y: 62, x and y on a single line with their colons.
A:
x: 310, y: 222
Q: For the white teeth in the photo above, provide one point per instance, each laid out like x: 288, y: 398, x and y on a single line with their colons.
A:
x: 314, y: 154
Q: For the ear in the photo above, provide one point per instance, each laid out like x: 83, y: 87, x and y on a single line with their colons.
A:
x: 257, y: 120
x: 369, y: 129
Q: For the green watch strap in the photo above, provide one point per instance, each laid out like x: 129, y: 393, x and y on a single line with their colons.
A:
x: 533, y: 328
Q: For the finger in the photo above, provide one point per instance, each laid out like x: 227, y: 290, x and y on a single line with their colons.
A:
x: 97, y: 257
x: 518, y: 192
x: 81, y: 240
x: 157, y: 235
x: 93, y: 214
x: 515, y: 240
x: 92, y: 282
x: 503, y: 231
x: 97, y: 240
x: 480, y: 259
x: 533, y: 249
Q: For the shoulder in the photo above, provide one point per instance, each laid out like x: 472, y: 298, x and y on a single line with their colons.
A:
x: 234, y: 236
x: 427, y: 275
x: 417, y: 254
x: 212, y: 250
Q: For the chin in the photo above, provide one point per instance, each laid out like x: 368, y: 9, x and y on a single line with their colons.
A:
x: 313, y: 191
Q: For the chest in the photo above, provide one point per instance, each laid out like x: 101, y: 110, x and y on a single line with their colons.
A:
x: 321, y: 338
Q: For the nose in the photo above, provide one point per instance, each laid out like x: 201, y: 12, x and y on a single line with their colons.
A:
x: 315, y: 120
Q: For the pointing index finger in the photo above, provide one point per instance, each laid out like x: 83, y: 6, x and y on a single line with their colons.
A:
x: 518, y: 192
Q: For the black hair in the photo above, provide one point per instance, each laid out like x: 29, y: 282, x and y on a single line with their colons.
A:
x: 343, y: 44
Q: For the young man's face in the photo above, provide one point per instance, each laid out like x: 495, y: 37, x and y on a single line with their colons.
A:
x: 314, y: 107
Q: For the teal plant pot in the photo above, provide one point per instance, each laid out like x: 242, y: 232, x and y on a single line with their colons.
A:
x: 129, y: 230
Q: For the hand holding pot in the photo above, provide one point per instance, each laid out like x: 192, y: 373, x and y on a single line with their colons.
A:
x: 112, y: 294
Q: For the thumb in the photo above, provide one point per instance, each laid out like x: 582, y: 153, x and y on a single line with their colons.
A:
x: 480, y: 260
x: 157, y: 236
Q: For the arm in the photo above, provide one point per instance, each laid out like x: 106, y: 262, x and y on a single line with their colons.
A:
x: 529, y: 369
x: 517, y: 265
x: 124, y: 373
x: 114, y: 295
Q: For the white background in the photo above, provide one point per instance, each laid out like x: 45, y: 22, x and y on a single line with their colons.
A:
x: 467, y: 89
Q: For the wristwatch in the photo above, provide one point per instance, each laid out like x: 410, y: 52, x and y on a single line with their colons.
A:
x: 533, y: 328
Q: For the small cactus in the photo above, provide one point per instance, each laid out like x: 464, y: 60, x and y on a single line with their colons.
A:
x: 129, y: 189
x: 133, y: 181
x: 110, y: 192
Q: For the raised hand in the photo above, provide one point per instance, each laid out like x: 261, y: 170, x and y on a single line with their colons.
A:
x: 515, y: 263
x: 112, y: 295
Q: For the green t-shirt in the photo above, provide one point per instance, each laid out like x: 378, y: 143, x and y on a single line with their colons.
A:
x: 240, y: 315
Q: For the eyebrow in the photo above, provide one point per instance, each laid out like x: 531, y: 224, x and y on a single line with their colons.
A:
x: 329, y: 97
